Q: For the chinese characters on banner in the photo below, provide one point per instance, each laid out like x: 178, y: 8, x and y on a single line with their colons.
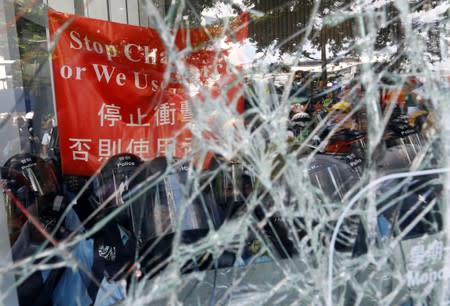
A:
x: 109, y: 94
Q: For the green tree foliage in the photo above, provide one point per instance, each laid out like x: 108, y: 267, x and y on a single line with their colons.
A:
x: 32, y: 39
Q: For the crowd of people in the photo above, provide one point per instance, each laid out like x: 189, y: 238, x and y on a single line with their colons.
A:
x: 329, y: 105
x: 333, y: 118
x: 330, y: 119
x: 18, y: 134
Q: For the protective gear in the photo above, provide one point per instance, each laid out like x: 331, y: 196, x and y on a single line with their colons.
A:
x: 347, y: 141
x: 298, y: 100
x: 169, y: 202
x: 399, y: 132
x: 155, y: 194
x: 342, y: 106
x: 34, y: 183
x: 302, y: 116
x: 332, y: 176
x: 33, y: 172
x: 59, y: 286
x: 170, y: 209
x: 413, y: 196
x: 232, y: 184
x: 151, y: 204
x: 331, y: 179
x: 397, y: 159
x: 300, y: 125
x: 417, y: 119
x: 114, y: 190
x: 116, y: 179
x: 231, y: 187
x: 335, y: 178
x: 31, y: 184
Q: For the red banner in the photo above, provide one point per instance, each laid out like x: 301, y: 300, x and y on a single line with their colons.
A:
x: 110, y: 97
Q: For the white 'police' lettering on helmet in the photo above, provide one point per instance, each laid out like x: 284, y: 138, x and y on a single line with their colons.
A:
x: 126, y: 164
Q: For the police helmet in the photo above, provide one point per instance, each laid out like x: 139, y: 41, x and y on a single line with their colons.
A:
x: 30, y: 183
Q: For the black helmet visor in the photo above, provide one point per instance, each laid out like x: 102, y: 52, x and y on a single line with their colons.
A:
x: 167, y: 207
x: 34, y: 179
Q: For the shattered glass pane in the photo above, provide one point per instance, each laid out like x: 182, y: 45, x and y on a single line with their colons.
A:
x: 224, y: 152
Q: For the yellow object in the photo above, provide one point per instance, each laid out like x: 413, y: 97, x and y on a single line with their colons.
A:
x: 342, y: 106
x: 412, y: 118
x: 255, y: 247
